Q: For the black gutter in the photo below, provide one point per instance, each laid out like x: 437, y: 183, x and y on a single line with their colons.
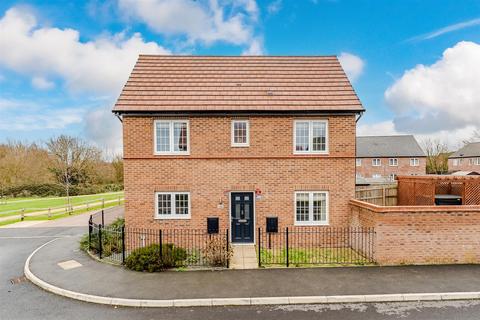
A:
x: 205, y: 113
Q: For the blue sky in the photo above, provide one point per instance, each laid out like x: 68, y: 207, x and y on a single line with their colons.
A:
x: 414, y: 64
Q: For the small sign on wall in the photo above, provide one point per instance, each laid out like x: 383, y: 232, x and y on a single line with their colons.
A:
x: 258, y: 194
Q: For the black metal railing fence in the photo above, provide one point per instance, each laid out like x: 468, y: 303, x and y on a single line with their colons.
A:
x: 189, y: 247
x: 300, y: 246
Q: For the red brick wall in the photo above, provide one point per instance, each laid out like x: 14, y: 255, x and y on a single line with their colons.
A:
x: 214, y: 168
x: 465, y: 165
x: 421, y: 235
x: 366, y: 170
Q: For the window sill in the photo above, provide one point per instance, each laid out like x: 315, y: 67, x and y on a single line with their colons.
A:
x: 240, y: 145
x: 311, y: 224
x: 316, y: 153
x: 172, y: 218
x: 171, y: 153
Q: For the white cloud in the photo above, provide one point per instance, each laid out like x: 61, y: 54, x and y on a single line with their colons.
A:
x: 447, y: 29
x: 42, y: 83
x: 104, y: 130
x: 352, y: 64
x: 203, y: 21
x: 255, y: 48
x: 274, y: 6
x: 25, y: 115
x: 101, y: 65
x: 442, y: 96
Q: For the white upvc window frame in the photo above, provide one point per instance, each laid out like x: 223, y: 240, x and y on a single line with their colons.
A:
x: 358, y: 162
x: 173, y: 215
x: 376, y: 176
x: 414, y: 162
x: 476, y: 161
x: 393, y: 162
x: 456, y: 162
x: 171, y: 137
x: 392, y: 176
x: 374, y: 160
x: 232, y: 133
x: 310, y: 137
x: 311, y: 222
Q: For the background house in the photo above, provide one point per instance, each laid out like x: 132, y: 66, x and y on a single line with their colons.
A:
x: 466, y: 158
x: 381, y: 158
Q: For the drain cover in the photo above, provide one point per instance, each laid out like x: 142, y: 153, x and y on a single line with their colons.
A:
x: 18, y: 280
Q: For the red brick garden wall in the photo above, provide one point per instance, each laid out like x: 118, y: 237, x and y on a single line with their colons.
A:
x: 421, y: 235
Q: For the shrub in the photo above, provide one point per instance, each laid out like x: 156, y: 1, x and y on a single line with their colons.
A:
x: 148, y: 258
x: 216, y: 252
x: 55, y: 190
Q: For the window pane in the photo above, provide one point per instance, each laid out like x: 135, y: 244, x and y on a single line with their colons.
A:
x: 301, y: 136
x: 302, y: 206
x: 181, y: 203
x: 180, y: 136
x: 163, y: 136
x: 164, y: 204
x: 319, y: 136
x: 240, y: 132
x: 319, y: 207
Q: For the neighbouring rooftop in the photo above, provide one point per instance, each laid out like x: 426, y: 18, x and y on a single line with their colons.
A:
x: 469, y: 150
x: 237, y: 83
x: 388, y: 146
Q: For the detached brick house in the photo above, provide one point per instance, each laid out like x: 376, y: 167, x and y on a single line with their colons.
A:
x: 465, y: 159
x: 382, y: 158
x: 238, y: 139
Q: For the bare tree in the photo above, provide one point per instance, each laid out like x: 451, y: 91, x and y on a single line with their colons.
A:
x: 117, y: 163
x: 437, y: 156
x: 72, y: 158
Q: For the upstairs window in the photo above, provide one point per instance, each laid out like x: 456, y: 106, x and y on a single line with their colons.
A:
x: 311, y: 136
x: 414, y: 162
x: 376, y: 162
x: 171, y: 137
x: 240, y: 133
x: 358, y: 162
x: 475, y: 161
x: 393, y: 162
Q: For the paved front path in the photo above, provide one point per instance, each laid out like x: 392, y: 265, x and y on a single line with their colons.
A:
x: 244, y: 257
x: 105, y: 280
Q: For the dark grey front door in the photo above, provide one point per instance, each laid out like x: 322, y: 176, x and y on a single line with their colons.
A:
x: 242, y: 217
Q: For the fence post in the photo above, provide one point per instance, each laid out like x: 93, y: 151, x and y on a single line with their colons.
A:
x: 100, y: 241
x: 49, y: 213
x: 286, y: 247
x: 22, y: 215
x: 384, y: 198
x: 259, y: 247
x: 160, y: 244
x: 228, y: 250
x: 119, y: 200
x: 103, y: 218
x: 103, y: 203
x: 90, y: 233
x: 123, y: 244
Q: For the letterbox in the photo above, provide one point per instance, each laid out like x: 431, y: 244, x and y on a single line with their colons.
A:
x: 212, y: 225
x: 272, y: 224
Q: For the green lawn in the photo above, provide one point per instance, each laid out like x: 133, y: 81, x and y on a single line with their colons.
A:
x: 59, y: 215
x: 38, y: 204
x: 300, y: 257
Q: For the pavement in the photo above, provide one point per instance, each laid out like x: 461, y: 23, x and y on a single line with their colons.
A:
x: 24, y: 300
x: 257, y: 286
x: 243, y: 257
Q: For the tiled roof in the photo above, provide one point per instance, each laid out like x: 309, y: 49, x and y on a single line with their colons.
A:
x: 388, y: 146
x: 469, y: 150
x: 260, y: 83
